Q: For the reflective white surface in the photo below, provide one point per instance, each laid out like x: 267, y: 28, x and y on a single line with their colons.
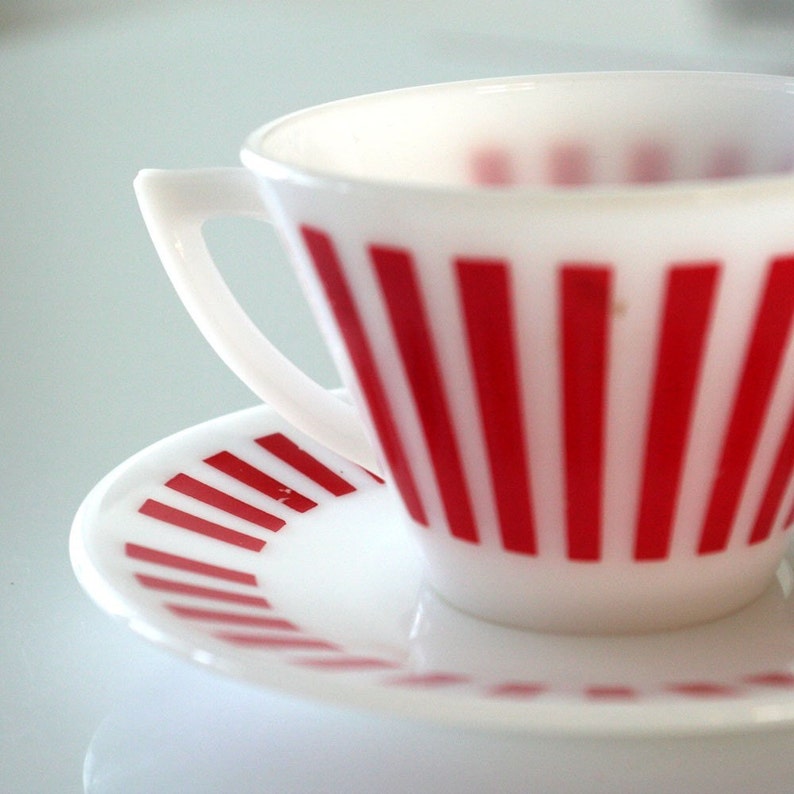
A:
x: 100, y: 360
x: 178, y: 733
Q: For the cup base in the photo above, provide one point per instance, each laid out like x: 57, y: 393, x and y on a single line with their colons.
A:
x: 608, y: 597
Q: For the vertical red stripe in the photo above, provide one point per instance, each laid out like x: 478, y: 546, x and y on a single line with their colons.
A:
x: 300, y: 460
x: 260, y: 481
x: 157, y: 557
x: 762, y: 363
x: 585, y: 304
x: 487, y: 305
x: 395, y: 271
x: 776, y: 487
x: 329, y: 271
x: 649, y: 162
x: 229, y: 504
x: 183, y: 520
x: 685, y: 320
x: 492, y: 167
x: 569, y: 164
x: 726, y: 162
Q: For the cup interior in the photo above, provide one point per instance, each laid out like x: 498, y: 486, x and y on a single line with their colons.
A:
x: 556, y: 130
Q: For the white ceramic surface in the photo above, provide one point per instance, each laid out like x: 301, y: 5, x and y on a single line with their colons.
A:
x: 563, y: 307
x: 328, y: 602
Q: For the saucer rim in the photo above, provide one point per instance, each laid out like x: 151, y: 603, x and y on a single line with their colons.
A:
x: 648, y: 717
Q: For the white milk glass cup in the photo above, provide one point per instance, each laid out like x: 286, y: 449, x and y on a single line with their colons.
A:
x: 562, y: 306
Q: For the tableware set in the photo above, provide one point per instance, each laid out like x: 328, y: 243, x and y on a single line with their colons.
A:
x: 555, y: 493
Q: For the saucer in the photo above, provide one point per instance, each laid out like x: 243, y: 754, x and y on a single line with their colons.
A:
x: 246, y: 547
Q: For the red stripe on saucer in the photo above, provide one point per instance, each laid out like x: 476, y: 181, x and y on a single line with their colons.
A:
x: 146, y: 554
x: 223, y: 501
x: 183, y: 520
x: 188, y: 589
x: 300, y: 460
x: 259, y: 480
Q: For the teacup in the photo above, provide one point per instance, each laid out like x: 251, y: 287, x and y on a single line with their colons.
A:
x: 562, y: 306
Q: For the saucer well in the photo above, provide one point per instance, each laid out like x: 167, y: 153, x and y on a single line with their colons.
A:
x: 246, y: 547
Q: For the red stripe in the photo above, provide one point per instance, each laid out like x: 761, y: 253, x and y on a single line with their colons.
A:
x: 492, y: 167
x: 235, y: 618
x: 395, y: 272
x: 183, y: 520
x: 650, y: 162
x: 781, y: 680
x: 429, y: 680
x: 277, y: 642
x: 569, y: 164
x: 257, y: 479
x: 685, y: 321
x: 157, y: 557
x: 704, y: 689
x: 486, y: 294
x: 611, y: 693
x: 229, y: 504
x: 300, y: 460
x: 345, y: 663
x: 727, y: 162
x: 785, y: 164
x: 185, y: 588
x: 329, y: 271
x: 776, y: 487
x: 762, y: 363
x: 585, y: 297
x: 517, y: 690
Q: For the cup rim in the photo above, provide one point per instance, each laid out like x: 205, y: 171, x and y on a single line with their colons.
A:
x: 700, y: 189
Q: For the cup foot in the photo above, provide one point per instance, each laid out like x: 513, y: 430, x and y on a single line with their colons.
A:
x: 608, y: 597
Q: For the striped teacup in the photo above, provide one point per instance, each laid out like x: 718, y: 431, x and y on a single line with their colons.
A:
x: 563, y: 308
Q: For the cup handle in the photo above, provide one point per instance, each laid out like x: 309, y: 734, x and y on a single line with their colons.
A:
x: 175, y: 205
